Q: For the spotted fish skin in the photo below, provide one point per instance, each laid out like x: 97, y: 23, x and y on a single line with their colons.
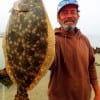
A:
x: 26, y: 41
x: 29, y: 43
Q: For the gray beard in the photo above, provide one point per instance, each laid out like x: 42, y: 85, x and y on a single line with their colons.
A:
x: 68, y: 28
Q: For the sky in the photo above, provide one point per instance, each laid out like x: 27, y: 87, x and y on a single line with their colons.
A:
x: 89, y: 21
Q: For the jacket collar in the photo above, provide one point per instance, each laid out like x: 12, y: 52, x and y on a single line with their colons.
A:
x: 61, y: 32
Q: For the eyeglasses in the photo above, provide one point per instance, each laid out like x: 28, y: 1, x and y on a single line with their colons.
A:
x: 66, y: 12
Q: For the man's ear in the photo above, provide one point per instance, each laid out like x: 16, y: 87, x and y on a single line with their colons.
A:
x: 58, y: 18
x: 78, y: 15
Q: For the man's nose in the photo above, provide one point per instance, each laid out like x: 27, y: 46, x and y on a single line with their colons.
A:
x: 69, y: 14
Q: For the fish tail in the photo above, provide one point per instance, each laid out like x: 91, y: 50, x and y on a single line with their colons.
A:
x: 21, y: 94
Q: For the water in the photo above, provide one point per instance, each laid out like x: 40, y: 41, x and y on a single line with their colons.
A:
x: 94, y: 40
x: 1, y: 55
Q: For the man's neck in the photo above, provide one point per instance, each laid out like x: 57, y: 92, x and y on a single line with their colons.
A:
x: 70, y: 29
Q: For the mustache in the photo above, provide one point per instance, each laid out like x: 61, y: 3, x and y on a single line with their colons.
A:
x: 68, y: 20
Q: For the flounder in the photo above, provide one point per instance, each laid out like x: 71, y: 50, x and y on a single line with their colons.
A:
x: 28, y: 45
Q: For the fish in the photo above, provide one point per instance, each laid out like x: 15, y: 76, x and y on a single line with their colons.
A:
x: 28, y: 45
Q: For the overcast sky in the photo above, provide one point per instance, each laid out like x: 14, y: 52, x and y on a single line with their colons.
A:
x: 89, y: 21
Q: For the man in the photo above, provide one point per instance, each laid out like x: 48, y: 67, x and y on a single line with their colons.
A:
x: 73, y: 70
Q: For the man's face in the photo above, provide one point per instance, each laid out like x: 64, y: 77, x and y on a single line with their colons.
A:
x: 68, y: 16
